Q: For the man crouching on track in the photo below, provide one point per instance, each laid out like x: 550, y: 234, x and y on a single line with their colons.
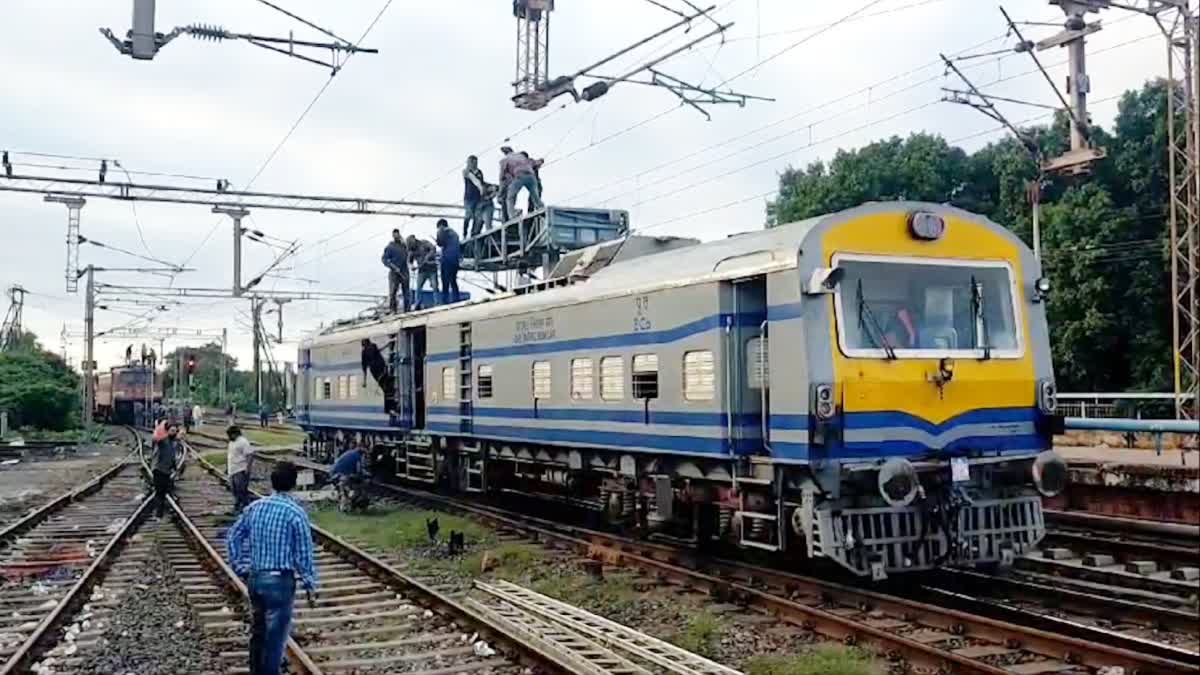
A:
x: 269, y: 546
x: 168, y: 459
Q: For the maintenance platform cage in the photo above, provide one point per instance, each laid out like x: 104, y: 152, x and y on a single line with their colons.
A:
x: 540, y: 238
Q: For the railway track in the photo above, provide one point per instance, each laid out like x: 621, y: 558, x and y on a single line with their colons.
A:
x: 932, y: 633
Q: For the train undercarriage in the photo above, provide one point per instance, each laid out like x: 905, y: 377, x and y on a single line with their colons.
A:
x: 867, y: 519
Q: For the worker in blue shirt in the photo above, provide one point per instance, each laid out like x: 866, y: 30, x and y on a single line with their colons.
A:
x: 447, y: 239
x: 271, y: 545
x: 348, y: 464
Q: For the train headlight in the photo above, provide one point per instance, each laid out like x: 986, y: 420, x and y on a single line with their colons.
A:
x: 1047, y: 396
x: 1041, y: 289
x: 898, y: 482
x: 1049, y: 473
x: 822, y: 401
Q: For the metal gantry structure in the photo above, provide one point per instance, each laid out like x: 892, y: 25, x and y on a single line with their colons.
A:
x: 236, y: 204
x: 12, y: 329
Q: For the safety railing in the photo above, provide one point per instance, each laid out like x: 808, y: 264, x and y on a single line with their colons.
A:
x: 1131, y: 427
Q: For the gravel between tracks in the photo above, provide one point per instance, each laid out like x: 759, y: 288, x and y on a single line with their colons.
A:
x: 153, y: 630
x: 36, y: 480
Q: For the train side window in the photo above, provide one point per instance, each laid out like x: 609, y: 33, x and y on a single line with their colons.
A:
x: 699, y: 383
x: 645, y: 376
x: 326, y: 389
x: 612, y: 378
x: 449, y: 384
x: 582, y: 379
x: 343, y: 389
x: 353, y: 386
x: 485, y: 382
x: 541, y: 379
x: 757, y: 363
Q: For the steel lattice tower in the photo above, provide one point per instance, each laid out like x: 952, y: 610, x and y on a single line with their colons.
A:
x: 10, y: 333
x: 533, y: 48
x: 1183, y: 125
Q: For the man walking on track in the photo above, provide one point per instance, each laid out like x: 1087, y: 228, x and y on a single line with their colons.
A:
x: 238, y: 464
x: 167, y: 454
x: 271, y: 546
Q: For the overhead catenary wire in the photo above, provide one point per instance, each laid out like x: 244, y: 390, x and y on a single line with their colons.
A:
x: 292, y: 129
x: 638, y: 176
x: 609, y: 137
x: 698, y: 184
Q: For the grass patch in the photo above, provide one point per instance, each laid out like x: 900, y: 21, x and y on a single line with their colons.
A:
x: 507, y: 561
x: 700, y: 635
x: 270, y: 437
x: 613, y: 595
x: 826, y: 660
x: 217, y: 458
x: 392, y: 530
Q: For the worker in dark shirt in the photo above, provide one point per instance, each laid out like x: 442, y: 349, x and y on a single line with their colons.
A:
x: 451, y: 257
x: 373, y: 361
x: 473, y: 188
x: 168, y: 455
x: 425, y: 255
x: 395, y: 258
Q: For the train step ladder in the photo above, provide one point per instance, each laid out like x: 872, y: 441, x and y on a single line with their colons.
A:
x: 474, y: 469
x: 608, y: 633
x: 753, y: 520
x: 420, y: 465
x: 466, y: 389
x: 578, y: 653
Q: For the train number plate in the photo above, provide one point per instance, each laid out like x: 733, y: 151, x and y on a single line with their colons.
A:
x: 960, y: 469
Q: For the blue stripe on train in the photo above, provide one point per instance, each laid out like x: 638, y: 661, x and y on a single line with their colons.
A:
x: 697, y: 419
x: 650, y: 337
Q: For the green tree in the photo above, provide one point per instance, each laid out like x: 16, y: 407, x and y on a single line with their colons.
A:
x: 37, y: 389
x: 1103, y: 235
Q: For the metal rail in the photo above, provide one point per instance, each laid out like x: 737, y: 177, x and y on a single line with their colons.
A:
x: 726, y: 579
x: 298, y: 658
x: 426, y: 595
x: 21, y: 659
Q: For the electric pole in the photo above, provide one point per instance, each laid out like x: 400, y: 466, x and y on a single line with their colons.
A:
x: 224, y: 365
x: 89, y: 330
x: 256, y: 320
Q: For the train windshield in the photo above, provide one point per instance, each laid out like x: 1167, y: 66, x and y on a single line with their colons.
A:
x: 922, y: 308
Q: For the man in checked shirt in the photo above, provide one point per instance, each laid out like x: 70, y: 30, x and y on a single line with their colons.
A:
x: 271, y: 545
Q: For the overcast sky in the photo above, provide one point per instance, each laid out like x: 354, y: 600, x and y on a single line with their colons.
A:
x: 399, y: 123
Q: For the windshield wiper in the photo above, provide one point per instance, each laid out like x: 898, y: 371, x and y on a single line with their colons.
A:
x: 867, y: 318
x: 980, y: 318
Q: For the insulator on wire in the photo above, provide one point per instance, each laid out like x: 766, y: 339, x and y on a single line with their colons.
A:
x: 203, y: 31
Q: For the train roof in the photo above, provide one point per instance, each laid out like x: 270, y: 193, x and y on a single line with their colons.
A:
x: 673, y: 263
x: 647, y: 268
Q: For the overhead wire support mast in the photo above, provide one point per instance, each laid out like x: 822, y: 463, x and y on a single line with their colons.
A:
x: 691, y: 94
x: 144, y: 42
x: 1082, y: 155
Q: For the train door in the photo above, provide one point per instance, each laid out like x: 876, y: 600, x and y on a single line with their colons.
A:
x: 745, y: 366
x: 304, y: 386
x: 412, y: 377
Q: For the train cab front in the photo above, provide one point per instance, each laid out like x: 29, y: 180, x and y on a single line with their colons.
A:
x: 938, y: 405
